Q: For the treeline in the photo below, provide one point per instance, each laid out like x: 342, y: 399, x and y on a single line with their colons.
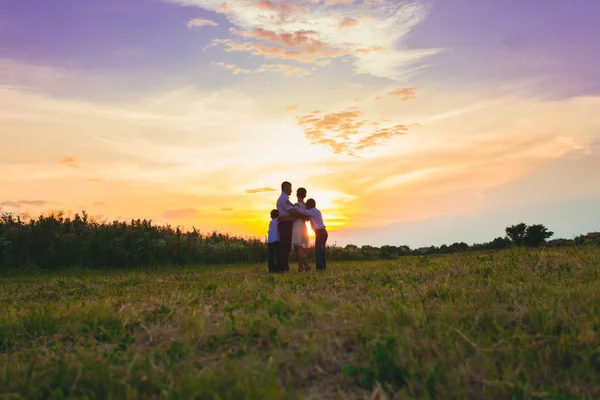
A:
x: 55, y: 241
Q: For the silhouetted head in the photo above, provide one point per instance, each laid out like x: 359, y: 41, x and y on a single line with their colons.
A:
x: 286, y: 188
x: 274, y: 214
x: 301, y: 194
x: 310, y: 203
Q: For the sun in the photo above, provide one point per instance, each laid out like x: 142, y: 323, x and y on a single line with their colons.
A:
x: 311, y: 233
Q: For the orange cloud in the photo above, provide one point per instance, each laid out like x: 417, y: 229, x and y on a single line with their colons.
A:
x: 306, y: 55
x: 404, y: 94
x: 260, y: 190
x: 69, y: 162
x: 379, y: 135
x: 365, y: 51
x: 267, y: 5
x: 223, y: 8
x: 299, y: 46
x: 348, y: 22
x: 291, y: 109
x: 345, y: 132
x: 296, y: 39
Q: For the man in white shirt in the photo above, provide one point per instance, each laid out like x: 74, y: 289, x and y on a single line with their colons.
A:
x: 287, y: 215
x: 318, y: 226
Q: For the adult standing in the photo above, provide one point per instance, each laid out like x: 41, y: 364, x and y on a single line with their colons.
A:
x: 286, y: 223
x: 300, y: 233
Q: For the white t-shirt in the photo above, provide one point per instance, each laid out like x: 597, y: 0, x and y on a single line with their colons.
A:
x: 273, y: 235
x: 282, y: 205
x: 315, y: 216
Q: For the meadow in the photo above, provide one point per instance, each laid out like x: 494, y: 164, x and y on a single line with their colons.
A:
x: 510, y: 324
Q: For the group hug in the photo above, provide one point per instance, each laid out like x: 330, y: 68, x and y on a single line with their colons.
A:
x: 288, y: 228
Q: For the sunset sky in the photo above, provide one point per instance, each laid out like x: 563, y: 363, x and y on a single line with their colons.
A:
x: 415, y: 123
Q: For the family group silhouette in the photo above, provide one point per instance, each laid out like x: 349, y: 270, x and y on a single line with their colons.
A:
x: 288, y: 229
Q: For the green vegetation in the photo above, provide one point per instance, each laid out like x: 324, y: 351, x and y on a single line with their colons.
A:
x: 519, y: 323
x: 55, y: 241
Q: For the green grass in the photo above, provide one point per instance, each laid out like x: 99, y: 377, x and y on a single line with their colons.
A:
x: 516, y: 324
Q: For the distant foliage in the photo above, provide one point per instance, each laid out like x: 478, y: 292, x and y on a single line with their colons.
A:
x: 516, y: 233
x: 532, y: 236
x: 55, y: 241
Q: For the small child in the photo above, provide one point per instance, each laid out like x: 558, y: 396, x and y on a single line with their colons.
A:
x: 316, y: 222
x: 273, y: 241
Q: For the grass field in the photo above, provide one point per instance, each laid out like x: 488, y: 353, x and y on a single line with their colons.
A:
x: 520, y: 324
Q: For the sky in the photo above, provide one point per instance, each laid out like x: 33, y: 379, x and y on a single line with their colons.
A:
x: 410, y: 123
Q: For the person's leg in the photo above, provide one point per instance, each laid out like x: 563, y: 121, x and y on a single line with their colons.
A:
x: 282, y: 260
x: 285, y: 239
x: 299, y: 258
x: 276, y: 251
x: 271, y: 257
x: 306, y: 266
x: 318, y: 250
x: 324, y: 244
x: 305, y: 261
x: 320, y: 242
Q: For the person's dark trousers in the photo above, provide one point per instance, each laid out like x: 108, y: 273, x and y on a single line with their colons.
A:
x: 285, y: 239
x: 320, y: 242
x: 273, y: 255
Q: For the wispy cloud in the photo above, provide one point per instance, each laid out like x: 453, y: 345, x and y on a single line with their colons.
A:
x: 21, y: 203
x: 348, y: 22
x: 199, y: 22
x: 288, y: 70
x: 260, y: 190
x: 285, y: 69
x: 403, y: 94
x: 234, y: 68
x: 370, y: 35
x: 69, y: 162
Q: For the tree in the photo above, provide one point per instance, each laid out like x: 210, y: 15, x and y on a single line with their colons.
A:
x: 499, y: 243
x: 459, y: 247
x: 516, y: 233
x: 536, y: 235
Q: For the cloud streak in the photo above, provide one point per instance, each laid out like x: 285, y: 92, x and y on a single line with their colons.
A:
x: 285, y: 69
x: 21, y: 203
x: 260, y: 190
x: 199, y: 22
x: 234, y: 68
x: 69, y: 162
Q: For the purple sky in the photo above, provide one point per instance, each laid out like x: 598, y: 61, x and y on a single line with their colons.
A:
x: 523, y: 38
